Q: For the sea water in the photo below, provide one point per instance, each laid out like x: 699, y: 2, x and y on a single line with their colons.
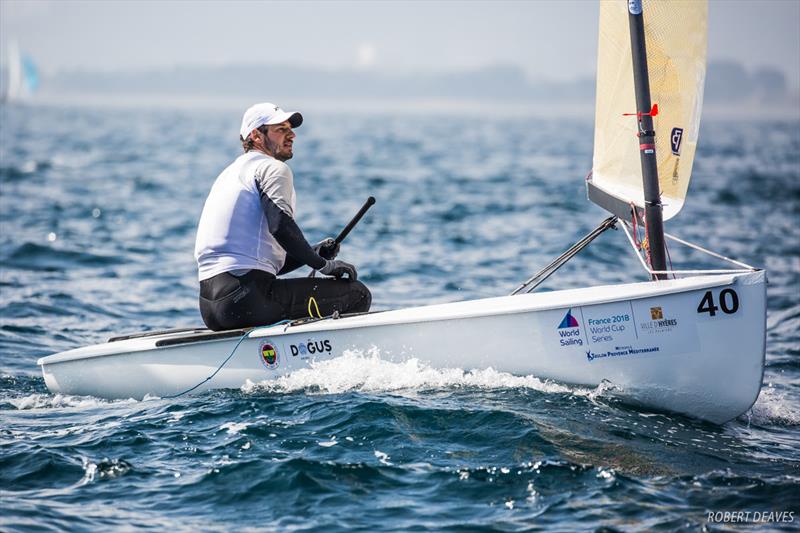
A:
x: 98, y: 210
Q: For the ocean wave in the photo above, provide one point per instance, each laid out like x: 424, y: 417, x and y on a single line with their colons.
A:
x: 22, y: 170
x: 421, y: 447
x: 32, y: 256
x: 104, y: 469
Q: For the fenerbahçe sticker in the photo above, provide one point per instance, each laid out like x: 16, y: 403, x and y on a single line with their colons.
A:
x: 269, y: 355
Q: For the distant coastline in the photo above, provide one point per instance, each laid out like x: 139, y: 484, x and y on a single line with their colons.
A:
x: 731, y: 90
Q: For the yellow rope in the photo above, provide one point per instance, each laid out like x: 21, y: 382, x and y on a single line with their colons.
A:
x: 310, y: 301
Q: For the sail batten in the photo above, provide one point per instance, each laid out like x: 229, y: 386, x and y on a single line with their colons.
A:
x: 676, y: 36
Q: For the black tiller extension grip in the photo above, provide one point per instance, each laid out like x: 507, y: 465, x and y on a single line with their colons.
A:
x: 350, y: 225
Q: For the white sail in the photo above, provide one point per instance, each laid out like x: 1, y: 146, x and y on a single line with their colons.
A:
x: 14, y: 86
x: 22, y: 76
x: 676, y: 36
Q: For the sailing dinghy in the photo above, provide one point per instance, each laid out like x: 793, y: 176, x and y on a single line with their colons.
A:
x: 691, y: 342
x: 22, y: 78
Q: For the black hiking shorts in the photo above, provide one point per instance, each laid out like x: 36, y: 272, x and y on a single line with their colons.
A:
x: 258, y: 298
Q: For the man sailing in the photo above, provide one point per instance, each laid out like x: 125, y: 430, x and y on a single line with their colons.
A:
x: 247, y: 236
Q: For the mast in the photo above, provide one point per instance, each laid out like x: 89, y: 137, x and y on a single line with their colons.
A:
x: 647, y: 142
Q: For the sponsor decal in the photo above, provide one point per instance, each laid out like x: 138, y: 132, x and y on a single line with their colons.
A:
x: 621, y: 351
x: 311, y: 347
x: 675, y: 140
x: 569, y: 321
x: 569, y: 330
x: 600, y: 324
x: 269, y: 355
x: 658, y: 322
x: 609, y: 328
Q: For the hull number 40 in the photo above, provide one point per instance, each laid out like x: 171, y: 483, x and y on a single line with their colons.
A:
x: 728, y: 303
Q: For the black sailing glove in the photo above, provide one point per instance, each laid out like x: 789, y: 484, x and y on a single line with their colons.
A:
x: 337, y: 269
x: 327, y: 248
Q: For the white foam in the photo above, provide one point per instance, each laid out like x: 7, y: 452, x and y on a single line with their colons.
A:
x: 89, y: 472
x: 48, y: 401
x: 772, y: 407
x: 607, y: 474
x: 356, y: 371
x: 383, y: 458
x: 234, y: 427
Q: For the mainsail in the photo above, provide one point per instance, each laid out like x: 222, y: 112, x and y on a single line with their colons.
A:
x: 676, y: 35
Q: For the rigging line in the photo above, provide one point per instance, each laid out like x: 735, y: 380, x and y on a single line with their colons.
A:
x: 639, y: 244
x: 646, y: 242
x: 632, y: 240
x: 703, y: 272
x: 311, y: 300
x: 241, y: 339
x: 709, y: 252
x: 643, y: 244
x: 538, y: 278
x: 746, y: 269
x: 669, y: 258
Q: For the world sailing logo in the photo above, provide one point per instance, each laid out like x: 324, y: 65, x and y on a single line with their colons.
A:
x: 569, y: 330
x: 568, y: 321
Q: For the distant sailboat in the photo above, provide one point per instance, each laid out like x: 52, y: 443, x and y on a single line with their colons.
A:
x: 22, y: 76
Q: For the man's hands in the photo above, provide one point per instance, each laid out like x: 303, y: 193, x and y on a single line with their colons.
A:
x: 327, y: 248
x: 337, y: 269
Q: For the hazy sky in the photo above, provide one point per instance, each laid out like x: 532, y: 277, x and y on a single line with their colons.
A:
x: 550, y: 39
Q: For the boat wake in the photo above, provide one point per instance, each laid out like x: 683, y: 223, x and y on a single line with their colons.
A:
x: 61, y: 401
x: 773, y: 408
x: 357, y: 371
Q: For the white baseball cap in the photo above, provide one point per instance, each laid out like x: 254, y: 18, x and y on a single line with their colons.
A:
x: 267, y: 113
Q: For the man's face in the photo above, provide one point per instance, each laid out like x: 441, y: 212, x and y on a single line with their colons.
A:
x: 278, y: 140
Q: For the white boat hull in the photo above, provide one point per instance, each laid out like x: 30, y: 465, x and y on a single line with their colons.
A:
x: 694, y: 346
